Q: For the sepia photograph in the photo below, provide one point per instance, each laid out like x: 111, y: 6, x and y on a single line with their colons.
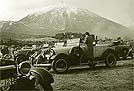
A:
x: 66, y: 45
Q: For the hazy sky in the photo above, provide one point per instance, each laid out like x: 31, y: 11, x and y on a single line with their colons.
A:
x: 120, y: 11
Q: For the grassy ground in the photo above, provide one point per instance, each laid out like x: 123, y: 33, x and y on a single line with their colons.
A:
x: 119, y: 78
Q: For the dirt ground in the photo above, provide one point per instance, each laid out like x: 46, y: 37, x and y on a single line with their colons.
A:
x: 102, y: 78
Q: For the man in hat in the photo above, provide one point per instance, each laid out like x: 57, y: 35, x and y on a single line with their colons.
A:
x: 88, y: 40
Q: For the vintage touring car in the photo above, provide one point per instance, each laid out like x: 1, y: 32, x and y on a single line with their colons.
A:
x: 61, y: 58
x: 23, y: 77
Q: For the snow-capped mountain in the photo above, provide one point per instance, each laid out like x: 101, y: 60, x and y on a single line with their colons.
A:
x: 57, y: 19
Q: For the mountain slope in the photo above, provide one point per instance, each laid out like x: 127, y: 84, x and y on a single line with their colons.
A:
x: 59, y: 19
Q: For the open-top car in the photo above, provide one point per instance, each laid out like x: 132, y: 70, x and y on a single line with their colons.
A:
x: 61, y: 58
x: 16, y: 77
x: 24, y: 53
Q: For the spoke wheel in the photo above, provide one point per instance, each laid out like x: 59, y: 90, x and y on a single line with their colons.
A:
x: 60, y: 65
x: 111, y: 60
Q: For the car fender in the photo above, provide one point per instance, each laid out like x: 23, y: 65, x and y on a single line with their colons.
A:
x: 42, y: 75
x: 64, y: 50
x: 53, y: 57
x: 58, y: 55
x: 109, y: 51
x: 22, y: 55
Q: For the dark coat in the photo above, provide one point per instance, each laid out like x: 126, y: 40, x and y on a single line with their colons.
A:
x: 89, y: 46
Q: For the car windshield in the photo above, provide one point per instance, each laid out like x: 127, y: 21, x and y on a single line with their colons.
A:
x: 26, y: 48
x: 73, y: 42
x: 70, y: 42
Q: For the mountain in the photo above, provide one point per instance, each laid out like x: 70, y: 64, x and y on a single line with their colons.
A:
x: 1, y: 24
x: 58, y: 19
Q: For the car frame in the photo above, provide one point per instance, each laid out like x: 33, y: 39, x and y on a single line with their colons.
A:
x: 23, y: 76
x: 64, y: 57
x: 23, y: 54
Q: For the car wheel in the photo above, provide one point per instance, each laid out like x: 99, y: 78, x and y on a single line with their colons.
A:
x: 111, y: 60
x: 60, y: 65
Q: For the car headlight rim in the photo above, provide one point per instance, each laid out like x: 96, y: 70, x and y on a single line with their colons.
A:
x: 50, y: 54
x: 24, y: 68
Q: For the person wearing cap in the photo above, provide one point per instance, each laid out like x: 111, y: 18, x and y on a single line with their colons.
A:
x: 119, y: 40
x: 88, y: 40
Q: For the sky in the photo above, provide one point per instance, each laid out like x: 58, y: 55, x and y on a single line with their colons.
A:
x: 120, y: 11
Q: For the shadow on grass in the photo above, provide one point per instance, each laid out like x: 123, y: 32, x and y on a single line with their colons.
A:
x: 97, y: 68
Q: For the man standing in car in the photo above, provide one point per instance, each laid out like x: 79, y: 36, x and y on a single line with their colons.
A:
x: 88, y: 40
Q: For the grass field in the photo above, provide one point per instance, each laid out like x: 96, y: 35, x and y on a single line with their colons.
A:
x: 119, y: 78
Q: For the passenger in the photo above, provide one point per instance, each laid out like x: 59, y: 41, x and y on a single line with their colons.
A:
x: 82, y: 38
x: 88, y: 40
x: 119, y: 41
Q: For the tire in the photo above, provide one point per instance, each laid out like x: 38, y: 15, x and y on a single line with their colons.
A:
x: 60, y: 62
x: 110, y: 60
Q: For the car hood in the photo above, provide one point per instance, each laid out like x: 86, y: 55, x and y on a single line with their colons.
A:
x: 104, y: 44
x: 64, y: 50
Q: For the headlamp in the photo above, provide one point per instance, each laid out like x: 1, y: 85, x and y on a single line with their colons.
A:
x: 24, y: 67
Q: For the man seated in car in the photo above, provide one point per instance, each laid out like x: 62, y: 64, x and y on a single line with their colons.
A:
x: 119, y: 41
